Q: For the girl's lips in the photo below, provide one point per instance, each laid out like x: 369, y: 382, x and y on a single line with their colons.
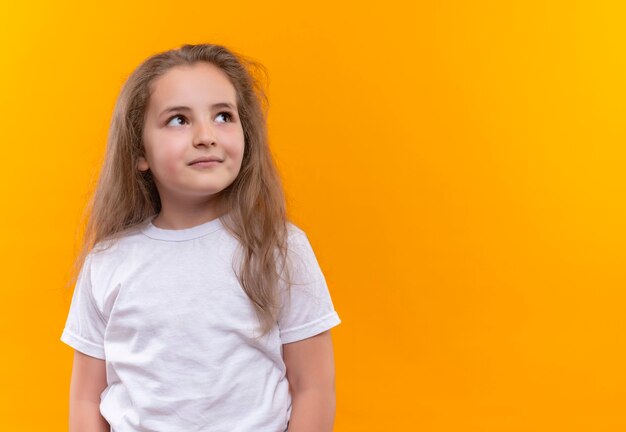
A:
x: 205, y: 163
x: 206, y: 159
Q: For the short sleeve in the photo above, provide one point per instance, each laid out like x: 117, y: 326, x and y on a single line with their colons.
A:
x: 309, y: 309
x: 85, y: 326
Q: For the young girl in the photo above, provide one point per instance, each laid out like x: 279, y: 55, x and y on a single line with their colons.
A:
x: 198, y: 306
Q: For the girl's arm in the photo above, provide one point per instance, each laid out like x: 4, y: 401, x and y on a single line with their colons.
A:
x: 88, y: 382
x: 311, y: 376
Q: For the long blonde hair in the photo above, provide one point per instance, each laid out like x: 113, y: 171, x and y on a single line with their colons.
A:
x: 255, y: 202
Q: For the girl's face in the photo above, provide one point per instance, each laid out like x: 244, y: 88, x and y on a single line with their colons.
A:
x: 192, y: 114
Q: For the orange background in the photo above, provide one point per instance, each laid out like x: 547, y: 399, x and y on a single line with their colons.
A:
x: 458, y: 167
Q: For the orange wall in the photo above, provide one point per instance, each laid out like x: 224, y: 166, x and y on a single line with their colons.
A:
x: 458, y: 166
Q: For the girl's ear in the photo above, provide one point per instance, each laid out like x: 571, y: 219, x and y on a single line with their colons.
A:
x: 142, y: 164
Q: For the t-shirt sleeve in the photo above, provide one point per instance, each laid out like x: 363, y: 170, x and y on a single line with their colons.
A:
x: 85, y: 325
x: 309, y: 309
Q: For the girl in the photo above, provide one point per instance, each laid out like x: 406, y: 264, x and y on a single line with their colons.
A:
x: 198, y: 306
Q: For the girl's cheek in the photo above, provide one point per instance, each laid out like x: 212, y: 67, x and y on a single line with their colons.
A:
x: 167, y: 158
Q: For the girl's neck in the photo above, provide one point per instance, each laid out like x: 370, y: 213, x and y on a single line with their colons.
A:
x: 183, y: 219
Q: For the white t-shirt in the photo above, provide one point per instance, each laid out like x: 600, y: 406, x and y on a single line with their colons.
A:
x: 167, y: 313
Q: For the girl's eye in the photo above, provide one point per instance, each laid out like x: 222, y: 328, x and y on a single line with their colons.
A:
x: 226, y: 115
x: 175, y: 117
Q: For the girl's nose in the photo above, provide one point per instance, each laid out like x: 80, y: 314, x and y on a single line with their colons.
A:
x: 204, y: 134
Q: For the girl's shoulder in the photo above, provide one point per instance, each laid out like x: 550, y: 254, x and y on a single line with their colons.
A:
x: 294, y: 230
x: 114, y: 252
x: 296, y: 238
x: 129, y: 234
x: 119, y: 243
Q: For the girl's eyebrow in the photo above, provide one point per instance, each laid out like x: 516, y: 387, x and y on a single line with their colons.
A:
x: 185, y: 108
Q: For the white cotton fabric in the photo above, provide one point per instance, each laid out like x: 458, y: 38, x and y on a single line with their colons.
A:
x: 166, y: 312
